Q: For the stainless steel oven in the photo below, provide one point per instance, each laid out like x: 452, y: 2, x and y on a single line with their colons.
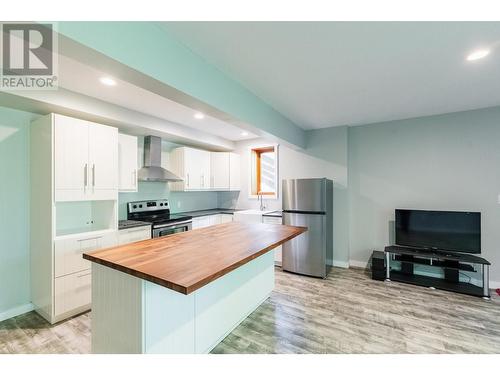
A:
x: 171, y: 228
x: 163, y: 223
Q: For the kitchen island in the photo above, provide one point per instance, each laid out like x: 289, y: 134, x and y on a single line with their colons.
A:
x: 185, y: 292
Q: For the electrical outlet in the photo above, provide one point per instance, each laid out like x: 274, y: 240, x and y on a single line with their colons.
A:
x: 179, y: 203
x: 498, y: 199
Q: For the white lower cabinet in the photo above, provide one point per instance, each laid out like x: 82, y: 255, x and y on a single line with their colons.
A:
x: 72, y: 283
x: 277, y: 250
x: 72, y: 293
x: 206, y: 221
x: 126, y: 236
x: 68, y: 253
x: 215, y: 219
x: 226, y: 218
x: 201, y: 222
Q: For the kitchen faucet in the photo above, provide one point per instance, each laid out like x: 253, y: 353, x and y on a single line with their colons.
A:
x: 262, y: 206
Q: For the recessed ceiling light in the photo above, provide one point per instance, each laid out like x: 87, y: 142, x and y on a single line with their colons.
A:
x: 199, y: 116
x: 479, y: 54
x: 108, y: 81
x: 244, y: 134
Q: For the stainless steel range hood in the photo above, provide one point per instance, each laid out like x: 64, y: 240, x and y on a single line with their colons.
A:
x: 152, y: 170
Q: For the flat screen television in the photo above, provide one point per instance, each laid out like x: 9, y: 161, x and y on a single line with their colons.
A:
x: 451, y: 231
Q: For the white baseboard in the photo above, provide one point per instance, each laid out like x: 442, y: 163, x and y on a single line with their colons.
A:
x: 339, y: 263
x: 15, y: 311
x: 358, y: 264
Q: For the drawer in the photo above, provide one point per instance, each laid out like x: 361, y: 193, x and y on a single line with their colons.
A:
x: 68, y: 252
x: 72, y: 292
x: 134, y: 234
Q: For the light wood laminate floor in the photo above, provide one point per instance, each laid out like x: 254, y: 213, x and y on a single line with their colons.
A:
x: 346, y: 313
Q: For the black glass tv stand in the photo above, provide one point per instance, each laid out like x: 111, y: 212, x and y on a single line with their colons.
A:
x: 451, y: 263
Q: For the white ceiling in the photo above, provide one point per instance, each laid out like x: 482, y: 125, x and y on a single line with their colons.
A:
x: 322, y: 74
x: 81, y: 78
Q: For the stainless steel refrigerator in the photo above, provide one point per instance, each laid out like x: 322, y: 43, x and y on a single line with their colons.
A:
x: 309, y: 203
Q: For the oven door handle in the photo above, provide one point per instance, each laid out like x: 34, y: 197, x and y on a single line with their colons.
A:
x: 173, y: 225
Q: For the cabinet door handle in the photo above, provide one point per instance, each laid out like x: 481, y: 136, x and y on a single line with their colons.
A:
x: 202, y: 181
x: 85, y: 176
x: 134, y: 178
x: 187, y: 184
x: 93, y: 175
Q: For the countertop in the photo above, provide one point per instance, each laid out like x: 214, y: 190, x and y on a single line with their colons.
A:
x: 128, y: 224
x: 208, y: 212
x: 274, y: 214
x: 187, y: 261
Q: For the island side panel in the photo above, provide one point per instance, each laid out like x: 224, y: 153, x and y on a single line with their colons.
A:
x: 227, y: 301
x: 116, y: 311
x: 197, y: 322
x: 169, y: 321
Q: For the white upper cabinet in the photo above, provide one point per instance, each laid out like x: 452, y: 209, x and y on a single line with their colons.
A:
x: 234, y: 171
x: 85, y: 160
x: 127, y: 160
x: 197, y: 169
x: 220, y: 170
x: 103, y: 161
x: 204, y: 170
x: 193, y: 166
x: 71, y: 155
x: 225, y: 170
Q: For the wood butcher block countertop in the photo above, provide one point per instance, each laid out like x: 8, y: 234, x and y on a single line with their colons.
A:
x: 189, y: 260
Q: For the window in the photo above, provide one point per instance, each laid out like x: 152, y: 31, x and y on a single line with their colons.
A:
x: 264, y: 171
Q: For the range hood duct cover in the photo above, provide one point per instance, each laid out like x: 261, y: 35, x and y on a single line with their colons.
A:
x: 152, y: 170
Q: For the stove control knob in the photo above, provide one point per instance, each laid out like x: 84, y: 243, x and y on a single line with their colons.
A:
x: 134, y: 206
x: 161, y: 204
x: 140, y: 206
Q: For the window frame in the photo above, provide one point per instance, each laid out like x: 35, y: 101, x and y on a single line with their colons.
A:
x: 255, y: 180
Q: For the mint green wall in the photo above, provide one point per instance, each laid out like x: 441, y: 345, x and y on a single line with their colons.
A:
x: 14, y: 208
x: 150, y: 49
x: 446, y: 162
x: 179, y: 201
